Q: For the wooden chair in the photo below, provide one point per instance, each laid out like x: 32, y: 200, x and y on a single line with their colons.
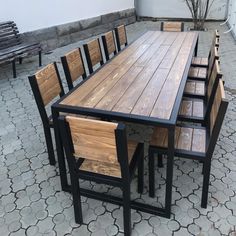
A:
x: 172, y: 26
x: 98, y: 151
x: 202, y: 73
x: 12, y: 47
x: 109, y: 44
x: 196, y: 110
x: 73, y: 66
x: 121, y: 37
x: 196, y: 88
x: 192, y: 142
x: 46, y: 86
x: 93, y: 54
x: 204, y: 61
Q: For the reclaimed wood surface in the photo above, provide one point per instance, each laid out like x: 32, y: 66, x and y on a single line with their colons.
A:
x: 144, y: 79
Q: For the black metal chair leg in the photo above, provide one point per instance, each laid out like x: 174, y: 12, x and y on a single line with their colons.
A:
x: 206, y: 178
x: 49, y: 144
x: 126, y: 209
x: 141, y: 172
x: 40, y: 58
x: 151, y: 162
x: 76, y: 199
x: 14, y: 68
x: 160, y: 160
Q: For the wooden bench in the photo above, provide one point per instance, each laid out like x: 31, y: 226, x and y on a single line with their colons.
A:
x: 12, y: 47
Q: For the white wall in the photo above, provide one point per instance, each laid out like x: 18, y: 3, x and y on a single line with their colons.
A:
x: 36, y: 14
x: 232, y: 15
x: 176, y: 9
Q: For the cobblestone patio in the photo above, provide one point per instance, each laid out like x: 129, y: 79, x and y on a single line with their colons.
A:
x: 32, y: 203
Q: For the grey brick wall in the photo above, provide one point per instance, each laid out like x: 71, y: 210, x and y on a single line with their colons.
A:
x: 61, y: 35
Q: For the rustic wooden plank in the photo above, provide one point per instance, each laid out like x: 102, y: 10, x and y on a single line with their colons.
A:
x: 80, y: 93
x: 130, y: 97
x: 199, y: 140
x: 116, y: 92
x: 185, y: 139
x: 186, y: 108
x: 148, y: 98
x: 165, y: 102
x: 198, y: 108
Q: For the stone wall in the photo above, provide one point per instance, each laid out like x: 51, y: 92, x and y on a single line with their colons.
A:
x: 61, y: 35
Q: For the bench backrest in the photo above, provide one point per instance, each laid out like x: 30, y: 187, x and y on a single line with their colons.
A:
x: 9, y: 35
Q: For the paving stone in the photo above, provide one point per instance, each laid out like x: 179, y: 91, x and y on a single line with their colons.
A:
x: 31, y: 200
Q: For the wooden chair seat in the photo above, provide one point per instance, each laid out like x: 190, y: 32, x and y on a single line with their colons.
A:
x: 105, y: 168
x: 195, y: 88
x: 192, y: 108
x: 186, y: 138
x: 200, y: 61
x: 197, y: 72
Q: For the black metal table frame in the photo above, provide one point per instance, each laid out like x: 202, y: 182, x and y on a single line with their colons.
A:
x: 169, y: 124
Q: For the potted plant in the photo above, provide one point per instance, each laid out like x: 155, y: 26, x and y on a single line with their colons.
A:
x: 199, y: 11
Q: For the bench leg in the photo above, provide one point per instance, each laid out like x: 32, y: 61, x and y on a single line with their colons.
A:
x: 40, y: 58
x: 20, y: 60
x: 14, y: 68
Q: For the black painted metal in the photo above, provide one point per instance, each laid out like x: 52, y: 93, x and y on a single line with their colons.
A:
x: 123, y: 182
x: 118, y: 39
x: 43, y: 114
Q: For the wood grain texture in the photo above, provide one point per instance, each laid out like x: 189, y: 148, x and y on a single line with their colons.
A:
x: 172, y: 26
x: 142, y: 80
x: 94, y: 52
x: 219, y: 97
x: 122, y: 34
x: 48, y: 83
x: 75, y: 64
x: 111, y: 47
x: 192, y: 108
x: 187, y: 139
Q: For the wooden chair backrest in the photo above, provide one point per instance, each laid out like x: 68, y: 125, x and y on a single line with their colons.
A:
x: 172, y: 26
x: 93, y: 53
x: 9, y: 35
x: 93, y: 139
x: 49, y: 83
x: 73, y: 66
x: 214, y: 55
x: 109, y: 44
x: 215, y: 75
x: 121, y: 36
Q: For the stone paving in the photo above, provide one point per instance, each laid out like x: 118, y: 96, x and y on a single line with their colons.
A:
x: 31, y: 200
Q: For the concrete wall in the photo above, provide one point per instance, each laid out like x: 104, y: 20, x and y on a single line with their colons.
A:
x: 176, y: 9
x: 232, y: 16
x: 32, y: 15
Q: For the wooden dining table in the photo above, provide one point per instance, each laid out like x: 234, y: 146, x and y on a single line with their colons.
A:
x: 143, y: 84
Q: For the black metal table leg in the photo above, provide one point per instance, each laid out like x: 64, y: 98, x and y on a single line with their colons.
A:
x: 60, y: 153
x: 169, y: 170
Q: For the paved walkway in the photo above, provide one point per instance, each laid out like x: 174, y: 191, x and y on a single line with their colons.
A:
x: 31, y: 202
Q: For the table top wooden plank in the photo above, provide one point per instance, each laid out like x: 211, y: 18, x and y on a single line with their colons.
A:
x: 142, y: 80
x: 165, y: 102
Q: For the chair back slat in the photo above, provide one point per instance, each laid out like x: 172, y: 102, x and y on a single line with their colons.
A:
x: 73, y: 66
x: 216, y: 74
x: 109, y: 44
x: 93, y: 139
x: 93, y: 53
x: 214, y: 55
x: 172, y: 26
x: 216, y: 105
x: 9, y: 35
x: 121, y: 36
x: 48, y: 82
